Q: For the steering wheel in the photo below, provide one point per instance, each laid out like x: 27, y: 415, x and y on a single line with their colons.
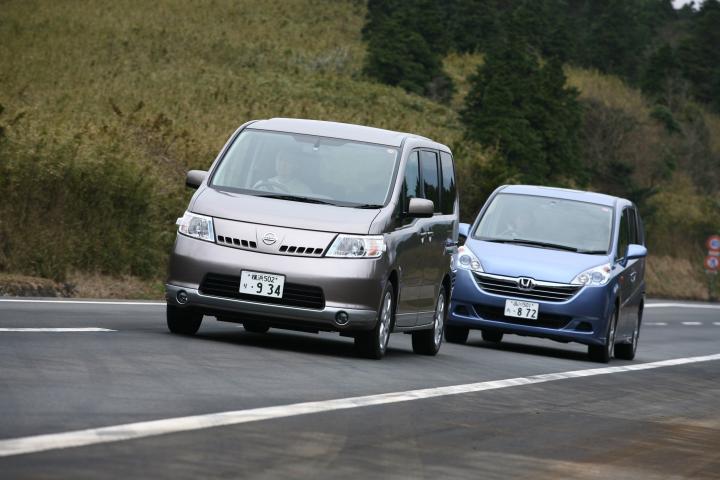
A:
x: 271, y: 186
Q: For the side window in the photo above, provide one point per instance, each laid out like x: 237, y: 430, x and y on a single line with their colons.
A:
x: 411, y: 185
x: 623, y: 235
x: 641, y: 230
x: 449, y: 190
x: 430, y: 177
x: 633, y: 226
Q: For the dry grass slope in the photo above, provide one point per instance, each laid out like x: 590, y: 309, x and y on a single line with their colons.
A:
x: 105, y: 105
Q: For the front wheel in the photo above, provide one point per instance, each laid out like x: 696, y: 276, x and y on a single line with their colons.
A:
x: 603, y: 353
x: 183, y: 321
x: 455, y: 334
x: 373, y: 344
x: 626, y: 351
x: 427, y: 342
x: 492, y: 336
x: 255, y: 327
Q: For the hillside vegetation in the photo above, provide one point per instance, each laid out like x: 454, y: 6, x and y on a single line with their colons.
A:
x: 104, y: 107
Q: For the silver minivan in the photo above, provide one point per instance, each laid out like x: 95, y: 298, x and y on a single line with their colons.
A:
x: 319, y: 226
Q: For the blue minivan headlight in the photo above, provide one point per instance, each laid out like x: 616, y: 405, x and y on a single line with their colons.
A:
x: 599, y: 275
x: 466, y: 259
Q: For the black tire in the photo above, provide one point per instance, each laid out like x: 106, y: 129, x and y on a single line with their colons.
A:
x: 428, y: 342
x: 183, y: 321
x: 373, y: 344
x: 492, y: 336
x: 626, y: 351
x: 255, y: 327
x: 603, y: 353
x: 455, y: 334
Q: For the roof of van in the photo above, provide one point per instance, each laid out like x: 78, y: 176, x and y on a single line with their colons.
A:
x: 565, y: 193
x: 345, y: 131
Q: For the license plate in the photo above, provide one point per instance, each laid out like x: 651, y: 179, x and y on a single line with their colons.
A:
x: 518, y: 309
x: 262, y: 284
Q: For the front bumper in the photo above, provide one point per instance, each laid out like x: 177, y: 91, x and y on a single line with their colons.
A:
x: 353, y: 286
x: 582, y: 318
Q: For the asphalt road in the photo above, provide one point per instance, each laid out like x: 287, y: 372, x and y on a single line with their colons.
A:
x: 659, y: 422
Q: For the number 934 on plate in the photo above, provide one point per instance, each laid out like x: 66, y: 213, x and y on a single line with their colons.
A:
x: 262, y: 284
x: 519, y: 309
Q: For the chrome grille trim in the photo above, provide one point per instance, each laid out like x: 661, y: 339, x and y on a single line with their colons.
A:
x: 508, y: 286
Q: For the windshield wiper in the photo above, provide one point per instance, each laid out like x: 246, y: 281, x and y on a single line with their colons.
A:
x: 368, y: 205
x: 593, y: 252
x: 531, y: 242
x: 296, y: 198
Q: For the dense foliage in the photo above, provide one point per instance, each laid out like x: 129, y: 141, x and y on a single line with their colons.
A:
x: 104, y: 108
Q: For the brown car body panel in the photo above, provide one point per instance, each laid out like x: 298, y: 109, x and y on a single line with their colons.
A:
x: 417, y: 255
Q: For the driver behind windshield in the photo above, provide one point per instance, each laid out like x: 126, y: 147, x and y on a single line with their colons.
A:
x: 286, y: 180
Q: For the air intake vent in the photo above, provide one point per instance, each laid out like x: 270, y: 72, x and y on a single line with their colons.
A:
x: 294, y: 294
x: 295, y: 250
x: 236, y: 242
x: 545, y: 320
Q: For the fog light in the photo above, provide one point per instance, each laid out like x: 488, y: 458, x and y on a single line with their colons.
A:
x: 182, y: 297
x: 342, y: 318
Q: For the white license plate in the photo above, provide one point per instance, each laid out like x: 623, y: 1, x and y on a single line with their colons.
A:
x: 262, y: 284
x: 518, y: 309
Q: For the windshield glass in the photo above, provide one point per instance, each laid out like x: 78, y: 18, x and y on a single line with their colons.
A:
x: 308, y: 168
x: 547, y: 222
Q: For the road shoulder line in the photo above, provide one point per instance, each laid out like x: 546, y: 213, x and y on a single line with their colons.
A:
x: 130, y: 431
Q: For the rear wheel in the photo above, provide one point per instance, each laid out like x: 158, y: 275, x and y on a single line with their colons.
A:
x: 492, y: 336
x: 373, y: 344
x: 183, y: 321
x: 626, y: 351
x: 603, y: 353
x: 427, y: 342
x: 455, y: 334
x: 255, y: 327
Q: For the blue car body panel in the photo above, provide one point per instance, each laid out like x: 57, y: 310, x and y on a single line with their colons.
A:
x: 582, y: 317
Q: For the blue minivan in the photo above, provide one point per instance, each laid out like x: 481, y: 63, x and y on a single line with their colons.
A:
x: 554, y: 263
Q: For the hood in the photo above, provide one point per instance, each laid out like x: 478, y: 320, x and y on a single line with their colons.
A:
x: 538, y: 263
x: 284, y: 213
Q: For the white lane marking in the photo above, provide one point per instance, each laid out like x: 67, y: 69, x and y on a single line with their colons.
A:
x: 682, y: 305
x: 103, y: 302
x: 716, y: 323
x: 54, y: 330
x: 129, y: 431
x: 692, y: 323
x: 660, y: 324
x: 81, y: 302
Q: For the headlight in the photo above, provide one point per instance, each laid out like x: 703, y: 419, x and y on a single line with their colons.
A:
x: 196, y: 226
x: 357, y: 246
x: 467, y: 260
x: 595, y: 276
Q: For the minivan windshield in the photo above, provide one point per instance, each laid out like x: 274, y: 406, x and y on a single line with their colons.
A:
x: 547, y: 223
x: 308, y: 168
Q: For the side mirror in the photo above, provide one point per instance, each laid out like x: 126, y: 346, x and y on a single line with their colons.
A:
x: 194, y: 178
x: 636, y: 251
x: 463, y: 233
x: 420, y: 208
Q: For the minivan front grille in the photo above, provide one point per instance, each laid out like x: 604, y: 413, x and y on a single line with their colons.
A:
x: 295, y: 250
x: 294, y: 294
x: 545, y: 320
x: 236, y: 242
x: 508, y: 286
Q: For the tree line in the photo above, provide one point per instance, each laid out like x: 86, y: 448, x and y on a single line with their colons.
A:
x: 520, y: 106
